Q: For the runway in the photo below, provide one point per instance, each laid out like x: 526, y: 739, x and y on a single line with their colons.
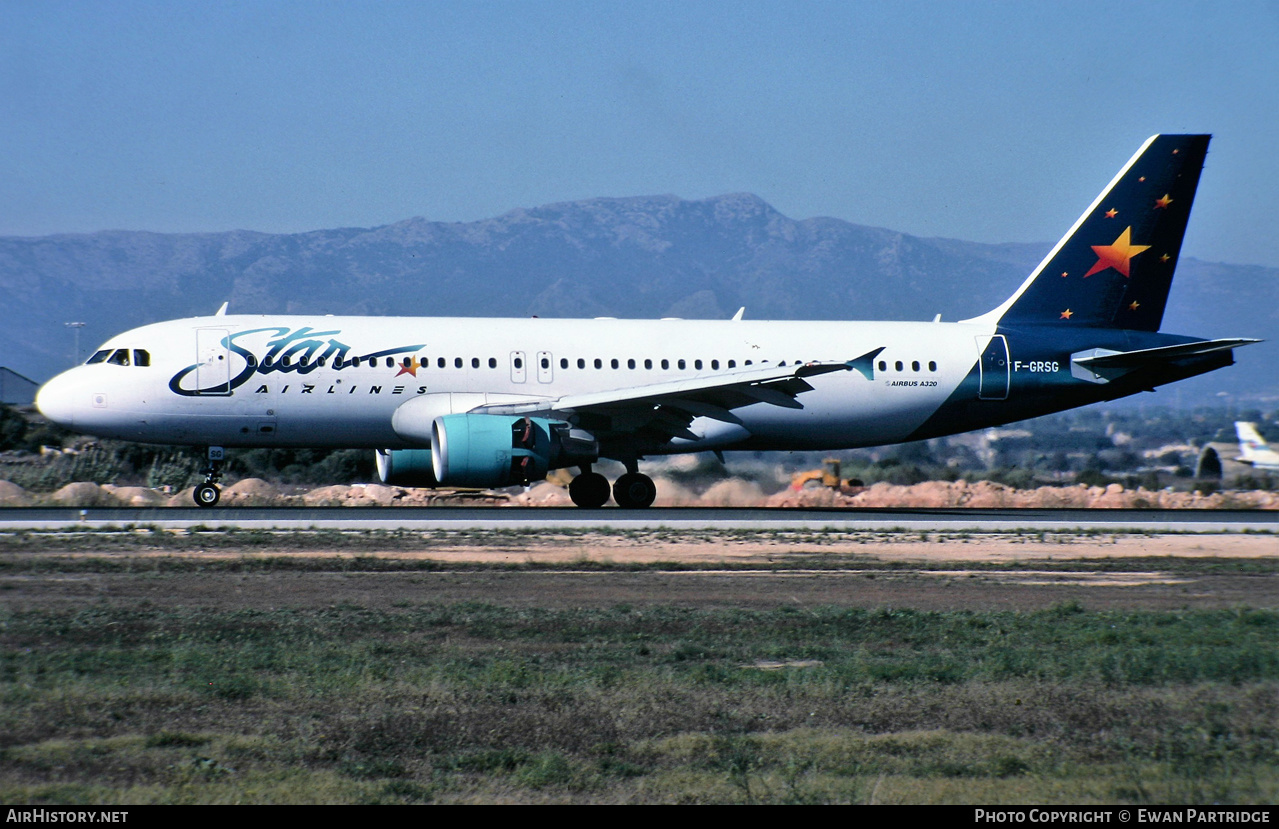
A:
x: 683, y: 518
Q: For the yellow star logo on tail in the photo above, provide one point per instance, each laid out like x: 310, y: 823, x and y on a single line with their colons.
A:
x: 1116, y: 255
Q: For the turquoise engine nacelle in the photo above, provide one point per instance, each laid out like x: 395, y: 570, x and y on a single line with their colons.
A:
x: 478, y: 450
x: 405, y: 467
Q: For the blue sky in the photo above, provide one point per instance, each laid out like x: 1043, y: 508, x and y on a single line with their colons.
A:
x: 986, y: 121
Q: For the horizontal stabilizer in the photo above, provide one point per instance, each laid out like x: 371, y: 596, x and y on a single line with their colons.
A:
x: 1101, y: 365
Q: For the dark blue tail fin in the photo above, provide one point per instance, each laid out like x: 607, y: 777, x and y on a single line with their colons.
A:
x: 1115, y: 266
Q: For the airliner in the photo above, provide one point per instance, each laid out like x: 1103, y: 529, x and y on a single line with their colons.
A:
x: 1253, y: 449
x: 471, y: 402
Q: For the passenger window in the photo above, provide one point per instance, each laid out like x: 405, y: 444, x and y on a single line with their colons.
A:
x: 457, y: 362
x: 250, y: 360
x: 141, y: 357
x: 932, y: 366
x: 519, y: 362
x: 750, y: 362
x: 899, y: 365
x: 581, y: 363
x: 284, y: 361
x: 714, y: 365
x: 680, y: 364
x: 697, y: 364
x: 355, y: 362
x: 302, y: 360
x: 666, y: 364
x: 613, y: 362
x: 599, y: 363
x: 441, y: 363
x: 563, y: 362
x: 914, y: 366
x: 99, y: 357
x: 648, y: 364
x: 732, y: 364
x: 546, y: 363
x: 475, y: 362
x: 883, y: 366
x: 630, y: 364
x: 120, y: 357
x: 492, y: 362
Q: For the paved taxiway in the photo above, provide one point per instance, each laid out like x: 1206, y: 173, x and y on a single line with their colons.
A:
x: 686, y: 518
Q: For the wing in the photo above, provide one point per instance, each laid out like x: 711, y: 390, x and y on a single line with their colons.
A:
x: 660, y: 412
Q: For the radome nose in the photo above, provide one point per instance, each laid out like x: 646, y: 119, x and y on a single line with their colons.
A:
x: 56, y: 400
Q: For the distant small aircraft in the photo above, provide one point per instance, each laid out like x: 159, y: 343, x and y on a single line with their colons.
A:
x: 494, y: 402
x: 1253, y: 449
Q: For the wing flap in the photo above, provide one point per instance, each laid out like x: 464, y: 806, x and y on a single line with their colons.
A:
x: 770, y: 384
x: 665, y: 410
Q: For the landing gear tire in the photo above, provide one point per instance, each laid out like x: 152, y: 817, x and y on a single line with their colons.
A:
x: 634, y: 491
x: 206, y: 495
x: 589, y: 490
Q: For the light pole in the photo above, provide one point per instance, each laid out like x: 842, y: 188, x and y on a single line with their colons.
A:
x: 77, y: 326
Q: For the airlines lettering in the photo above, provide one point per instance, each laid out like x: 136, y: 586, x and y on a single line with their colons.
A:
x: 308, y: 389
x: 288, y: 351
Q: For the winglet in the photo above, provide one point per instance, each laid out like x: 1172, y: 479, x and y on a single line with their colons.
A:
x: 740, y: 312
x: 222, y: 311
x: 865, y: 363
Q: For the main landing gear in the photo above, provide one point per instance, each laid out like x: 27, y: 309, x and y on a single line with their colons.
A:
x: 207, y: 493
x: 634, y: 490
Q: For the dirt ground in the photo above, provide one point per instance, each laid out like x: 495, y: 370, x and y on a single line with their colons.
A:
x: 913, y: 571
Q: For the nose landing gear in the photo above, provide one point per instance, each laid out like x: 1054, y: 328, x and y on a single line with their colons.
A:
x: 207, y: 494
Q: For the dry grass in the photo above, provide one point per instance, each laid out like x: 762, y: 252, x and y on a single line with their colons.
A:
x: 126, y: 679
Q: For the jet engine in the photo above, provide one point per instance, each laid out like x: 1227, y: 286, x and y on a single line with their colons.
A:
x: 405, y: 467
x: 478, y: 450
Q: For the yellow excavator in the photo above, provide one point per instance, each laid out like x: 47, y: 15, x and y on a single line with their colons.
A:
x: 829, y: 477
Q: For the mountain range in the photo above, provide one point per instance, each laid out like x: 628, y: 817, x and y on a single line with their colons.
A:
x: 652, y: 256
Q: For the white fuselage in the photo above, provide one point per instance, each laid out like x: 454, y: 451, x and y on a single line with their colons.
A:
x: 197, y: 391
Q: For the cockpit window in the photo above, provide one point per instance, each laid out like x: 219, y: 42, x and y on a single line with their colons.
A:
x: 99, y: 356
x: 120, y: 357
x: 141, y: 357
